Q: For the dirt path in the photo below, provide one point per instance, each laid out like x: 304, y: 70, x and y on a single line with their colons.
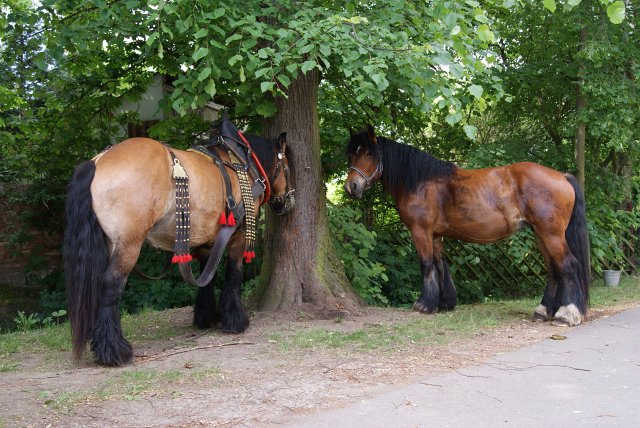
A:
x: 265, y: 377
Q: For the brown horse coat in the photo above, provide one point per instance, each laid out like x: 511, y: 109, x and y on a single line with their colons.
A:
x: 436, y: 199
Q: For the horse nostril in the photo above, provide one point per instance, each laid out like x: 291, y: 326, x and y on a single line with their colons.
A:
x: 354, y: 186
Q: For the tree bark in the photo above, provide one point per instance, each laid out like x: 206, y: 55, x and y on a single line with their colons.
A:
x: 581, y: 104
x: 300, y: 268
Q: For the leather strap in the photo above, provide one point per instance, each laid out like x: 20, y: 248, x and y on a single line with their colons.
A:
x: 166, y: 269
x: 222, y: 239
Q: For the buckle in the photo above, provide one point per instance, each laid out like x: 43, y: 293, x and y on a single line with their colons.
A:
x: 231, y: 203
x: 263, y: 182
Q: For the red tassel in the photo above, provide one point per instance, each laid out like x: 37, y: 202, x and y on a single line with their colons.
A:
x: 187, y: 258
x: 231, y: 220
x: 223, y: 219
x: 175, y: 259
x: 253, y: 254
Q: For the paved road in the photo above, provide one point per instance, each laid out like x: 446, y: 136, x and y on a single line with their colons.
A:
x: 592, y: 378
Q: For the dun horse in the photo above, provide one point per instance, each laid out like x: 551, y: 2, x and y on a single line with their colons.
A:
x: 127, y: 195
x: 436, y: 199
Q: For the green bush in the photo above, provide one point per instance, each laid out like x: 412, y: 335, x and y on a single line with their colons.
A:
x: 170, y: 292
x: 354, y: 245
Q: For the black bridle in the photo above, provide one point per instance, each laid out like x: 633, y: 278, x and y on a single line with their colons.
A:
x: 378, y: 171
x: 289, y: 192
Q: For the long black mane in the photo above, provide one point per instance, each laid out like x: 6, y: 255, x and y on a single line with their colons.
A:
x: 404, y: 167
x: 265, y: 150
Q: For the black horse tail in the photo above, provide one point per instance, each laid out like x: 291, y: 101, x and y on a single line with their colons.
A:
x: 86, y: 256
x: 578, y: 240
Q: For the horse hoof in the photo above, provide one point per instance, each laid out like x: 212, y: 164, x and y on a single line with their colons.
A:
x: 568, y: 316
x: 540, y: 314
x: 424, y: 309
x: 113, y: 355
x: 235, y: 323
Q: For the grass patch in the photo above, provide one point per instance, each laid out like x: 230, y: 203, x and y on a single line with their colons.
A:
x: 437, y: 329
x: 54, y: 339
x: 131, y: 385
x: 628, y: 291
x: 151, y: 325
x: 8, y: 367
x: 443, y: 328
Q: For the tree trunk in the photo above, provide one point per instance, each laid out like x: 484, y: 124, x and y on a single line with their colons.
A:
x: 300, y: 268
x: 581, y: 104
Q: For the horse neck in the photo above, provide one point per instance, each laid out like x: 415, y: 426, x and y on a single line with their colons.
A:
x: 261, y: 150
x: 414, y: 165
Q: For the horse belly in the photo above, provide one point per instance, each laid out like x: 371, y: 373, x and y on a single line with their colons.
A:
x: 481, y: 225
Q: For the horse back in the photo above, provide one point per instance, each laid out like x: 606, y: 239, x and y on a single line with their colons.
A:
x: 134, y: 195
x: 490, y: 204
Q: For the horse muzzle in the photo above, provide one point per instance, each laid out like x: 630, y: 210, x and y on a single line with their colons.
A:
x: 354, y: 189
x: 283, y: 204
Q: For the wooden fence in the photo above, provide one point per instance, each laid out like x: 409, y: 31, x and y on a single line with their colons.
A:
x: 514, y: 266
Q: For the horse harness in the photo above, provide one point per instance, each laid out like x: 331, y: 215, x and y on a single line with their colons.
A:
x: 244, y: 163
x: 378, y: 170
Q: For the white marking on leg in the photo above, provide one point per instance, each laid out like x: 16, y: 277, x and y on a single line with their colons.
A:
x: 541, y: 310
x: 568, y: 315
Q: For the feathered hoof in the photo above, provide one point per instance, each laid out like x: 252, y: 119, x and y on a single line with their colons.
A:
x: 235, y: 322
x: 116, y: 353
x: 421, y: 307
x: 568, y: 316
x: 540, y: 314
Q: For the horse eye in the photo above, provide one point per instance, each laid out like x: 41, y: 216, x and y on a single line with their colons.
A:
x: 369, y: 153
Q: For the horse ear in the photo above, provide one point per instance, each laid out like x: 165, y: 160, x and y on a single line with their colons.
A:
x: 372, y: 134
x: 282, y: 142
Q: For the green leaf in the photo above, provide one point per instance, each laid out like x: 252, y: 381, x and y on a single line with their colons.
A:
x: 481, y: 18
x: 233, y: 38
x: 284, y: 79
x: 265, y: 109
x: 234, y: 59
x: 210, y: 88
x: 475, y: 90
x: 471, y: 131
x: 242, y: 76
x: 201, y: 33
x: 205, y: 73
x: 485, y: 34
x: 152, y: 38
x: 381, y: 82
x: 266, y: 86
x: 307, y: 65
x: 200, y: 53
x: 262, y: 72
x: 550, y: 4
x: 574, y: 3
x: 218, y: 12
x: 615, y: 12
x: 291, y: 68
x: 453, y: 118
x: 305, y: 49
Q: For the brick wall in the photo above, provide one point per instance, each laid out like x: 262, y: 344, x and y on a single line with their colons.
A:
x: 24, y: 261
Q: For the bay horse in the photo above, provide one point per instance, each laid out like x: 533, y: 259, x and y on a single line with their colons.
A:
x: 436, y: 199
x: 127, y: 195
